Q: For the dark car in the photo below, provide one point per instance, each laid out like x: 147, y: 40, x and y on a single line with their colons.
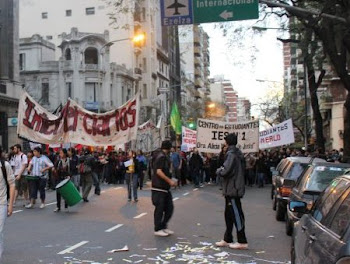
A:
x: 309, y: 186
x: 289, y: 170
x: 323, y: 235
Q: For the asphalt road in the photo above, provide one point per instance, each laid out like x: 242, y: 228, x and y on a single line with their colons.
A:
x: 88, y: 231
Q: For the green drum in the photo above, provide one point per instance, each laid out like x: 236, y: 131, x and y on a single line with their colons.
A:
x: 69, y: 193
x: 31, y: 178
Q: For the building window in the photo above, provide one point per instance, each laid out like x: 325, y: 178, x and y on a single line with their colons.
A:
x: 68, y: 55
x: 45, y: 93
x: 69, y: 88
x: 44, y: 15
x: 49, y: 37
x: 68, y: 13
x: 90, y: 11
x: 91, y: 56
x: 22, y: 61
x: 144, y: 92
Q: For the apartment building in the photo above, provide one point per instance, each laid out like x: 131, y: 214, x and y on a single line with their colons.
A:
x: 10, y: 87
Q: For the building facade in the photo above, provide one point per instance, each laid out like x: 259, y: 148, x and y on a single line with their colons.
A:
x: 80, y: 73
x: 10, y: 87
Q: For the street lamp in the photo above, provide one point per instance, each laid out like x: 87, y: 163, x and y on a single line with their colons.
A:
x: 138, y: 39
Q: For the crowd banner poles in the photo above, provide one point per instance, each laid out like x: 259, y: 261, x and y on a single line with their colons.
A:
x: 278, y: 135
x: 74, y: 124
x: 211, y: 134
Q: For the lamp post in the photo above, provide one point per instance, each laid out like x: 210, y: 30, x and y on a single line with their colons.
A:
x: 137, y: 39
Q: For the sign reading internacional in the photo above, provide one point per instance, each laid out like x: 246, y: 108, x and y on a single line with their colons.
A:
x: 211, y: 134
x: 184, y: 12
x: 279, y: 135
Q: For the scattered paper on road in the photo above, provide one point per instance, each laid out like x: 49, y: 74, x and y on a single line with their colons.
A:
x: 125, y: 248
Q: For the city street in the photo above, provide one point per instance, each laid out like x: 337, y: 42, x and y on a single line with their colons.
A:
x: 88, y: 231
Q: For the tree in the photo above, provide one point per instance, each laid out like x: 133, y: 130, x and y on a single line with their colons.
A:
x: 329, y: 20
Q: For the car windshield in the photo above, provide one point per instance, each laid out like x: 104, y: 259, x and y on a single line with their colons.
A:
x: 296, y: 170
x: 322, y: 176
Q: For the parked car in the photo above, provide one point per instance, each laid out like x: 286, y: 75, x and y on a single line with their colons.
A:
x: 323, y: 234
x: 309, y: 186
x: 289, y: 170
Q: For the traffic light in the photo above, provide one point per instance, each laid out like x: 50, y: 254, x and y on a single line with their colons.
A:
x: 192, y: 125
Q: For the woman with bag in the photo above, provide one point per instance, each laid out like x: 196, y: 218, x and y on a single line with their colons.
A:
x: 63, y: 172
x: 132, y: 172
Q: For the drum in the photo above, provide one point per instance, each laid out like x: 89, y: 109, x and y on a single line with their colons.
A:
x: 69, y: 193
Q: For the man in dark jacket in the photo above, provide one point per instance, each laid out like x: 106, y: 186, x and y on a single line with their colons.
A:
x: 161, y: 195
x: 232, y: 174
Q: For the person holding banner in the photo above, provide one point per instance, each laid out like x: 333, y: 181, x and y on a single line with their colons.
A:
x: 233, y: 188
x: 132, y: 172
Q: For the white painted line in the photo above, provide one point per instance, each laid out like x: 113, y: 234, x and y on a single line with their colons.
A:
x: 176, y: 198
x: 195, y: 189
x: 113, y: 228
x: 118, y: 188
x: 18, y: 211
x: 69, y: 250
x: 186, y: 194
x: 140, y: 215
x: 51, y: 204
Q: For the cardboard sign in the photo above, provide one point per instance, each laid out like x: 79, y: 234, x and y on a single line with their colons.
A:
x: 189, y: 139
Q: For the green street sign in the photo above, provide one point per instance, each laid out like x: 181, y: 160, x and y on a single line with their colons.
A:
x: 184, y: 12
x: 205, y: 11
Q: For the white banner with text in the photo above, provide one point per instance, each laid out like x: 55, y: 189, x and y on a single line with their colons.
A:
x: 278, y: 135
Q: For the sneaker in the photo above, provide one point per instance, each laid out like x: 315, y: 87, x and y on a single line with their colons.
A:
x: 161, y: 233
x: 42, y: 206
x: 29, y: 206
x: 168, y: 231
x: 136, y: 200
x: 222, y: 243
x: 57, y: 210
x: 238, y: 245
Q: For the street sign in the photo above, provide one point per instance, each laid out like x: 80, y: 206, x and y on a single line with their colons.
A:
x: 176, y: 12
x: 183, y: 12
x: 224, y: 10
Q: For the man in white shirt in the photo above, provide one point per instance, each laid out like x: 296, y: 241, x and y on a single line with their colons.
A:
x: 20, y: 170
x: 6, y: 205
x: 39, y: 167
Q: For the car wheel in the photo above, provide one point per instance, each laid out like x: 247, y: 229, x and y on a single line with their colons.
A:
x: 280, y: 214
x: 289, y: 226
x: 274, y: 202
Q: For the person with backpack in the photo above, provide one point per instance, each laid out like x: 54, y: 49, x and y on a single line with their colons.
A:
x: 7, y: 195
x: 85, y: 170
x: 63, y: 172
x: 161, y: 195
x: 38, y: 167
x: 233, y: 189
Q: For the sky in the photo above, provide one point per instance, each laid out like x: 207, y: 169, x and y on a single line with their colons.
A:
x: 268, y: 63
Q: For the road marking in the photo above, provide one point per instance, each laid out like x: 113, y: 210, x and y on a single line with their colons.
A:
x: 195, y: 189
x: 140, y: 215
x: 51, y: 204
x: 18, y: 211
x: 69, y: 250
x: 113, y: 228
x: 118, y: 188
x: 176, y: 198
x: 186, y: 194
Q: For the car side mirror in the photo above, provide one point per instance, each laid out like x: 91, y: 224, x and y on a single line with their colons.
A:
x: 298, y: 207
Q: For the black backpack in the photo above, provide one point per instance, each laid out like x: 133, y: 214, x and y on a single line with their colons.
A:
x: 4, y: 173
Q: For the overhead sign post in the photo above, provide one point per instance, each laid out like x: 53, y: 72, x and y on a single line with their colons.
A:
x: 184, y: 12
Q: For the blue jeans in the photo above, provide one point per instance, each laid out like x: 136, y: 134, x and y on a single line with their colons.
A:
x: 76, y: 181
x: 261, y: 177
x: 3, y: 216
x: 132, y: 182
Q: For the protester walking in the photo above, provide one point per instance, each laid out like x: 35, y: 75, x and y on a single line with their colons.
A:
x: 176, y: 163
x: 85, y: 171
x: 196, y: 165
x: 63, y: 172
x: 7, y: 195
x: 74, y: 163
x: 20, y: 169
x: 161, y: 196
x: 143, y: 167
x: 232, y: 174
x: 131, y: 177
x: 38, y: 167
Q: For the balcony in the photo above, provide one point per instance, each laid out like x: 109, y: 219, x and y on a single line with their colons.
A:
x: 197, y: 61
x: 67, y: 65
x: 138, y: 73
x: 198, y: 83
x: 89, y: 67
